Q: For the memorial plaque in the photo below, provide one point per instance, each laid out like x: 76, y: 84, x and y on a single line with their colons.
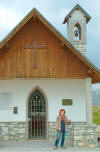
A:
x: 67, y: 102
x: 5, y: 100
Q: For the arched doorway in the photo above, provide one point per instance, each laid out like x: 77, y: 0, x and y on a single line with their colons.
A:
x: 37, y: 115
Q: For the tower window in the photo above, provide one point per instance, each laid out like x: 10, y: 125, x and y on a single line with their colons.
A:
x: 77, y: 32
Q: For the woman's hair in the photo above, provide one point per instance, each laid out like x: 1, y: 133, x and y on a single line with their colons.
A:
x: 62, y: 110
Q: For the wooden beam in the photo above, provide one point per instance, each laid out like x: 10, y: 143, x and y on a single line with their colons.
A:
x: 90, y: 71
x: 7, y: 45
x: 34, y: 18
x: 62, y: 45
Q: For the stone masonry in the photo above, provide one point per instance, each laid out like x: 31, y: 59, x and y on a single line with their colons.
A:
x: 77, y: 132
x: 80, y: 46
x: 10, y: 131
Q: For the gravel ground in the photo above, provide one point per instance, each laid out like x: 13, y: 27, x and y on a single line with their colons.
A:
x: 42, y: 146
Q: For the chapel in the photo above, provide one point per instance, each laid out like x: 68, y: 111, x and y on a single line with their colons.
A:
x: 41, y: 72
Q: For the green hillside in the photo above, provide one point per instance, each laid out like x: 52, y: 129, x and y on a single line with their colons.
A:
x: 96, y: 114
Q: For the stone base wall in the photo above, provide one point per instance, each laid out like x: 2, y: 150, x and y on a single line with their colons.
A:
x: 85, y: 134
x: 12, y: 131
x: 80, y: 46
x: 77, y: 132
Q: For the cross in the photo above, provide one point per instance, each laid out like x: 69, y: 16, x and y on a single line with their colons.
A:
x: 34, y: 47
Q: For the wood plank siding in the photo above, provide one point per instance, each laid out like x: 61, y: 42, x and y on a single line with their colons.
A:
x: 54, y: 61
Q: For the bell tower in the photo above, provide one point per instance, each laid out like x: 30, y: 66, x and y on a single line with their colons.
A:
x: 76, y: 28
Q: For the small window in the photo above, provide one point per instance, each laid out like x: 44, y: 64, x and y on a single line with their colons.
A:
x: 15, y: 110
x: 77, y: 32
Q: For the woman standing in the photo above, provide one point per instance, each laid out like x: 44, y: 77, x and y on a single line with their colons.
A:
x: 61, y: 124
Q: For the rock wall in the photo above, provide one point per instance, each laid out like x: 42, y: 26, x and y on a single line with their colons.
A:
x: 77, y: 133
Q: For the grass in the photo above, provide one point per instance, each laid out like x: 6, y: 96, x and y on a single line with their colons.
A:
x: 96, y: 115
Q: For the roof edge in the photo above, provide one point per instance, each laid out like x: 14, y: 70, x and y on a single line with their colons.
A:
x: 81, y: 9
x: 9, y: 33
x: 60, y: 36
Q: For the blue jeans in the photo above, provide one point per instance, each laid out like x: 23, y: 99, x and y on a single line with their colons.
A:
x: 58, y: 138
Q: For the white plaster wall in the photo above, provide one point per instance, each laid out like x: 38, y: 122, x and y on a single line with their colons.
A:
x: 77, y: 17
x: 56, y: 90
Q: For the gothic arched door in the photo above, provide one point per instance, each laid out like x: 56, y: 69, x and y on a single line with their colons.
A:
x: 37, y: 116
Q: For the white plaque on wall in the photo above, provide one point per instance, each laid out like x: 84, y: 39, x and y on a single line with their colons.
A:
x: 5, y: 100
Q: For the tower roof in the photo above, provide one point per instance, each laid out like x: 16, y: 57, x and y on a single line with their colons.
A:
x: 78, y: 7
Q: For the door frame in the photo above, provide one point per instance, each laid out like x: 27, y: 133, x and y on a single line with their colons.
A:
x: 27, y: 100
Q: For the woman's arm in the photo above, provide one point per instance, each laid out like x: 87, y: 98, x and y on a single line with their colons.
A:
x: 67, y: 121
x: 58, y: 127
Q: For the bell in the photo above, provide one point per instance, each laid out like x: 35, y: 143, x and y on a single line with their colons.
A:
x: 76, y: 32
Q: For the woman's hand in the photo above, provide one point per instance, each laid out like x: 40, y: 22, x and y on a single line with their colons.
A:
x: 59, y: 129
x: 69, y: 121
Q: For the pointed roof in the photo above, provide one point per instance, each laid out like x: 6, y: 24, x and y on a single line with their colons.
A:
x: 78, y: 7
x: 35, y: 13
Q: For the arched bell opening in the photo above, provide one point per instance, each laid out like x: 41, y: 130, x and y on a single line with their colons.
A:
x: 77, y: 32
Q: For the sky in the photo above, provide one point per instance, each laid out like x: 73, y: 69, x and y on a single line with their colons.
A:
x: 13, y: 11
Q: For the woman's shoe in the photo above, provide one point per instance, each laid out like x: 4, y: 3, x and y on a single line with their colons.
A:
x: 63, y: 147
x: 56, y: 147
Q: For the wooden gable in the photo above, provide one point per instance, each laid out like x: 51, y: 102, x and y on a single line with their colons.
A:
x: 57, y: 60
